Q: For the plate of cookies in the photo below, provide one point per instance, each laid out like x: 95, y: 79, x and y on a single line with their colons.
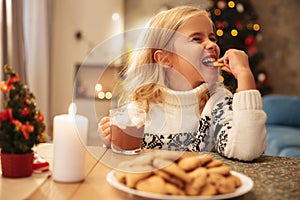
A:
x: 168, y: 176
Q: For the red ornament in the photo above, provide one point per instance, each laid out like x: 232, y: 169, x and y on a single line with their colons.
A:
x: 220, y: 25
x: 4, y: 115
x: 40, y: 117
x: 25, y: 112
x: 8, y: 85
x: 10, y: 115
x: 27, y: 128
x: 13, y: 79
x: 250, y: 41
x: 252, y: 50
x: 3, y: 87
x: 26, y: 101
x: 238, y: 24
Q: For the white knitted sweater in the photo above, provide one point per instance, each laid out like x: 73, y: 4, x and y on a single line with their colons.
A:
x: 233, y: 126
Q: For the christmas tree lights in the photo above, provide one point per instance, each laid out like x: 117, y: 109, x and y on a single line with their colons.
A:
x: 237, y: 27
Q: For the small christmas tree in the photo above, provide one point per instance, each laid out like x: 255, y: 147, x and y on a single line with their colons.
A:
x: 21, y: 123
x: 237, y: 27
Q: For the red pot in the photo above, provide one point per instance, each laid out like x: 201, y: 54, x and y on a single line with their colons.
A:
x: 16, y: 165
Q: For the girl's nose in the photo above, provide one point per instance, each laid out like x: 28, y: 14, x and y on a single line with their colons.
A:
x: 210, y: 45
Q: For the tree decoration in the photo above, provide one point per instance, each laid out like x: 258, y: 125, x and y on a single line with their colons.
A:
x: 240, y: 8
x: 21, y: 123
x: 249, y: 40
x: 237, y: 27
x: 221, y: 4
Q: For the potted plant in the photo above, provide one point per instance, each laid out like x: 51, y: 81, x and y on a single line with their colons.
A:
x: 21, y: 126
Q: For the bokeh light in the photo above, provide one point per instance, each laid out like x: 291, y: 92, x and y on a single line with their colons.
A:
x: 231, y: 4
x: 234, y: 32
x: 256, y: 27
x: 219, y: 32
x: 217, y: 12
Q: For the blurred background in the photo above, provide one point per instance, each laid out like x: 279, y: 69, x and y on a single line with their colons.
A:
x: 69, y: 50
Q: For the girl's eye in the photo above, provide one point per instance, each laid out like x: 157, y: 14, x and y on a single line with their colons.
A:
x: 196, y: 39
x: 213, y: 39
x: 199, y: 39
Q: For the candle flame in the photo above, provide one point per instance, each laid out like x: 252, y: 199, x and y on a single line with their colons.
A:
x: 72, y: 109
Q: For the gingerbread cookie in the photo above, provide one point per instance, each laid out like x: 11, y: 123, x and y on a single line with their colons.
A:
x: 154, y: 184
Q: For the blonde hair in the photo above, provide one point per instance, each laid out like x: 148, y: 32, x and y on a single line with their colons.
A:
x: 144, y: 80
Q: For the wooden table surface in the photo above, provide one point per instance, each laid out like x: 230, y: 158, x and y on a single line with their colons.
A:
x: 274, y: 178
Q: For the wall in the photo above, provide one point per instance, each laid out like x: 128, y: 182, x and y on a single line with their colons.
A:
x: 281, y: 43
x: 138, y: 12
x: 93, y: 19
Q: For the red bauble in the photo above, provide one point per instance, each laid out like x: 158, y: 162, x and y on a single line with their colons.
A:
x: 220, y: 25
x: 238, y: 24
x: 26, y: 101
x: 40, y: 117
x: 25, y: 112
x: 252, y: 50
x: 4, y: 115
x: 250, y: 41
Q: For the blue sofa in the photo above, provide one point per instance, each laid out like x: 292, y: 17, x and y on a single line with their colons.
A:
x: 283, y: 125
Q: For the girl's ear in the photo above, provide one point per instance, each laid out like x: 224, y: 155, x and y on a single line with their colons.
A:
x: 163, y: 58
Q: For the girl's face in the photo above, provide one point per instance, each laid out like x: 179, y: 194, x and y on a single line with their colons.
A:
x: 194, y: 51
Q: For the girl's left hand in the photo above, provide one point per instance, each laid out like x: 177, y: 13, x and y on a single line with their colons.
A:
x: 236, y: 62
x: 104, y: 131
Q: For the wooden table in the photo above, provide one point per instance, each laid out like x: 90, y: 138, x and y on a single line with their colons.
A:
x: 274, y: 178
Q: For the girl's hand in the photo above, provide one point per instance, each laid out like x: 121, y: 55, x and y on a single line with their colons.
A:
x: 104, y: 131
x: 236, y: 62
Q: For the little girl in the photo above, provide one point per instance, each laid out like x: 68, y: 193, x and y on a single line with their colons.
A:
x: 172, y: 76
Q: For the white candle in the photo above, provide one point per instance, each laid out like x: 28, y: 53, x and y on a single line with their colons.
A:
x: 69, y: 139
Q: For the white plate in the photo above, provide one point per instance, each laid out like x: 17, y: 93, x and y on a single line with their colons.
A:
x: 247, y: 185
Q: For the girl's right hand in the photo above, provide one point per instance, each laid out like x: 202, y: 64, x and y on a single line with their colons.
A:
x: 104, y: 131
x: 236, y: 62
